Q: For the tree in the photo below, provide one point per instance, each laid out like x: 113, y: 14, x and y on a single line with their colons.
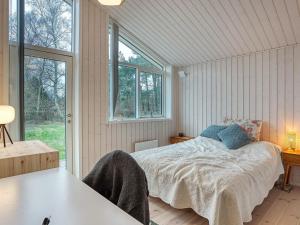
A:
x: 150, y: 89
x: 48, y: 23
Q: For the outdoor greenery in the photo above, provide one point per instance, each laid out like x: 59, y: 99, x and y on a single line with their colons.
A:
x: 48, y: 24
x: 150, y: 86
x: 52, y: 134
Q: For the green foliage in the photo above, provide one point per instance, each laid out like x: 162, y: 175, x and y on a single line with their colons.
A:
x: 127, y: 92
x: 48, y: 23
x: 52, y: 134
x: 150, y: 98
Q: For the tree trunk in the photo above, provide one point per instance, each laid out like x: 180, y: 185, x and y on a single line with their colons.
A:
x: 55, y: 90
x: 38, y: 105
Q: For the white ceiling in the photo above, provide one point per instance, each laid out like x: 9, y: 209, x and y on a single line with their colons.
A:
x: 185, y: 32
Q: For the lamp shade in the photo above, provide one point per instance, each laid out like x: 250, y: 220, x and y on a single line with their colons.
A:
x: 7, y: 114
x: 111, y: 2
x: 292, y: 139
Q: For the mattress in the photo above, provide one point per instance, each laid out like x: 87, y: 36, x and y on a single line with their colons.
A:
x: 219, y: 184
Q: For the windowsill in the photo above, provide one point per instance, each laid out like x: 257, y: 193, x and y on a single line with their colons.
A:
x: 142, y: 120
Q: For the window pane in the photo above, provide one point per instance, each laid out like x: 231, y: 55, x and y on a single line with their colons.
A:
x: 45, y: 101
x: 49, y: 24
x: 126, y: 103
x: 13, y: 21
x: 128, y: 55
x: 150, y: 94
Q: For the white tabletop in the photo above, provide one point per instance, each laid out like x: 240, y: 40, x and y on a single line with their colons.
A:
x: 27, y: 199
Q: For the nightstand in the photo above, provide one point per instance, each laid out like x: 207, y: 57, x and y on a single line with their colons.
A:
x: 290, y: 158
x: 177, y: 139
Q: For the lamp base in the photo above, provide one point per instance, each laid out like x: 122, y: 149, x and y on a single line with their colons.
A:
x: 3, y: 130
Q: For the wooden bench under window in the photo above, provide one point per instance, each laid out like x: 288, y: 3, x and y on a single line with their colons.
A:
x: 25, y: 157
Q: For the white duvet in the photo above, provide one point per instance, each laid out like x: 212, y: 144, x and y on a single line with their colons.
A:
x: 219, y: 184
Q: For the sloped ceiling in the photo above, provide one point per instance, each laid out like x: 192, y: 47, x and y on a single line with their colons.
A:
x: 185, y: 32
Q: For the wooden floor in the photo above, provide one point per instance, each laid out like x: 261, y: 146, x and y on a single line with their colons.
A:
x: 279, y: 208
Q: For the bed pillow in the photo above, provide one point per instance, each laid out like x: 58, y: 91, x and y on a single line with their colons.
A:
x: 252, y: 127
x: 234, y: 136
x: 212, y: 132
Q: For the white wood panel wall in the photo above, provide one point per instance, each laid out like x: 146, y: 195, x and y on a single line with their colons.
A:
x: 98, y: 136
x: 3, y: 51
x: 263, y: 85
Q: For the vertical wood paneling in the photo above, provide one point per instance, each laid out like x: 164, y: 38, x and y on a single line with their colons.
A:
x: 98, y: 136
x: 204, y: 87
x: 229, y: 87
x: 289, y: 88
x: 209, y: 93
x: 191, y: 101
x: 214, y: 93
x: 259, y: 85
x: 218, y: 87
x: 262, y: 85
x: 199, y: 98
x: 296, y: 89
x: 196, y: 100
x: 252, y: 90
x: 224, y: 87
x: 281, y: 95
x: 273, y: 96
x: 234, y: 88
x: 246, y: 85
x: 91, y: 79
x: 266, y: 95
x: 84, y: 83
x: 240, y: 87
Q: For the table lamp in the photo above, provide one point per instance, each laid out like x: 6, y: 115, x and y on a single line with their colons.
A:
x: 292, y: 140
x: 7, y: 115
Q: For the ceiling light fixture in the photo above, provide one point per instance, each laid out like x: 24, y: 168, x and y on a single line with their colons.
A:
x: 111, y: 2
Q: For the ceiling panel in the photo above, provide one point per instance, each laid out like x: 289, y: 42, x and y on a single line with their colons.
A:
x: 185, y: 32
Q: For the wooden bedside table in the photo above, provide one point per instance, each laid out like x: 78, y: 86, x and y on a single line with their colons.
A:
x: 290, y: 158
x: 177, y: 139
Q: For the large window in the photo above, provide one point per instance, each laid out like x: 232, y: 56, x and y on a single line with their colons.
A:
x: 137, y: 80
x: 46, y: 71
x: 47, y: 23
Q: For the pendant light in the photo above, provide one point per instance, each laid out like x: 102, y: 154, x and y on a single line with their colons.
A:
x: 111, y: 2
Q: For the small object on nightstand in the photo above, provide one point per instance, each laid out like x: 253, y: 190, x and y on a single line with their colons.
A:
x: 177, y: 139
x: 292, y: 140
x: 290, y: 158
x: 180, y: 134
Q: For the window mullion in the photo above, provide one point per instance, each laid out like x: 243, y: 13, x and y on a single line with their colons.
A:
x: 137, y: 88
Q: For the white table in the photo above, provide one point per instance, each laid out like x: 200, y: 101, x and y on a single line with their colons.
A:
x: 27, y: 199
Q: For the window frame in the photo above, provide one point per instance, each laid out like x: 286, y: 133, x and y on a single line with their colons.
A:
x: 130, y: 41
x: 26, y: 49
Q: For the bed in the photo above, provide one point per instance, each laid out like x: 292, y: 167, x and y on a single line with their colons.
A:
x: 219, y: 184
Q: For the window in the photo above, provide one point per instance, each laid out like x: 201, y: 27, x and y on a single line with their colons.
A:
x: 47, y: 23
x: 13, y: 21
x: 46, y: 73
x: 137, y: 80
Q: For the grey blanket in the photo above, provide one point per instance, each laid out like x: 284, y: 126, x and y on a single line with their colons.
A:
x: 119, y: 178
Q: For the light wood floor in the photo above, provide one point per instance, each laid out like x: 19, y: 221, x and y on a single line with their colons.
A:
x: 279, y: 208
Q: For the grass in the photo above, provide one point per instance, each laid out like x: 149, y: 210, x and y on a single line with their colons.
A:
x: 51, y: 133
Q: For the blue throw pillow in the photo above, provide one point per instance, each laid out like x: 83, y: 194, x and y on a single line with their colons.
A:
x: 212, y: 132
x: 234, y: 137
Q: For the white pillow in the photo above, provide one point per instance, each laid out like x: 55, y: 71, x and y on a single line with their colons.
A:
x: 252, y: 127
